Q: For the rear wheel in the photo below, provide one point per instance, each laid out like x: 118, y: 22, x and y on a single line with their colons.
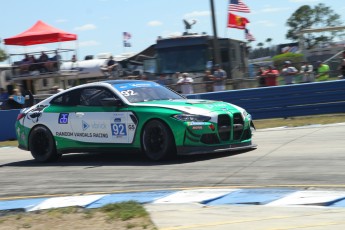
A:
x: 42, y: 145
x: 157, y: 141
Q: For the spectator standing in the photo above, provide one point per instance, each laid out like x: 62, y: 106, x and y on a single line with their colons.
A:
x: 177, y: 76
x: 186, y: 84
x: 3, y: 94
x: 322, y: 71
x: 289, y: 73
x: 74, y: 58
x: 13, y: 102
x: 33, y: 63
x: 208, y: 80
x: 342, y: 69
x: 219, y: 78
x: 43, y: 62
x: 271, y: 76
x: 307, y: 70
x: 55, y: 61
x: 162, y: 80
x: 109, y: 67
x: 24, y: 64
x: 260, y: 77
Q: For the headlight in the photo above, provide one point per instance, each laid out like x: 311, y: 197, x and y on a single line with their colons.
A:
x: 245, y: 114
x: 191, y: 117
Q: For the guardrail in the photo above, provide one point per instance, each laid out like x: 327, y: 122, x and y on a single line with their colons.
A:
x: 285, y: 101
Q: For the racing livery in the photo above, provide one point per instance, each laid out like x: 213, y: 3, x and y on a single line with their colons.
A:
x: 127, y: 114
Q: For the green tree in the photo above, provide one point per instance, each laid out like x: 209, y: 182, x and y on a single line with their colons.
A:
x: 308, y: 17
x: 3, y: 55
x: 268, y: 41
x: 295, y: 58
x: 260, y: 44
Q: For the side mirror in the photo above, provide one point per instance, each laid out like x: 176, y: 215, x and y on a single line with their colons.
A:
x: 111, y: 102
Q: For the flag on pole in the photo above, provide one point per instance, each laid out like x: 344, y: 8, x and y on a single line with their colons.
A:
x: 235, y: 21
x: 239, y: 6
x: 126, y: 37
x: 248, y: 35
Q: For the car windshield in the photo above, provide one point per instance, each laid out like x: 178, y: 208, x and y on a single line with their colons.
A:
x: 145, y: 91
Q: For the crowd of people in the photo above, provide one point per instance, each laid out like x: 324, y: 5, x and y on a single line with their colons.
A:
x: 184, y: 83
x: 42, y: 64
x: 215, y: 80
x: 269, y: 76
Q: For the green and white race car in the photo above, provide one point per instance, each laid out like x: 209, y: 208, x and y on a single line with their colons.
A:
x: 120, y: 115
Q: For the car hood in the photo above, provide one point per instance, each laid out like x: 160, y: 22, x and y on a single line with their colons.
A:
x: 193, y: 106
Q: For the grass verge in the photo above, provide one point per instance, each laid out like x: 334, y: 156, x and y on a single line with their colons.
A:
x: 300, y: 121
x: 8, y: 143
x: 126, y: 215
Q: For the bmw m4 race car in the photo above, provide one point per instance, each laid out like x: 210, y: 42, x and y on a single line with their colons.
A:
x: 119, y: 115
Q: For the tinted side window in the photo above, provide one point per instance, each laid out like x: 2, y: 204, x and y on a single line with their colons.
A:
x: 93, y: 96
x: 71, y: 98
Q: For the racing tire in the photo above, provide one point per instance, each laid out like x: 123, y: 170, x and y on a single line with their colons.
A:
x: 157, y: 141
x: 42, y: 145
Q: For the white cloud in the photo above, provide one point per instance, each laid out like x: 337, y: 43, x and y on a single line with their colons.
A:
x: 273, y: 10
x: 88, y: 43
x: 304, y: 1
x: 196, y: 14
x: 266, y: 23
x: 154, y: 23
x: 86, y: 27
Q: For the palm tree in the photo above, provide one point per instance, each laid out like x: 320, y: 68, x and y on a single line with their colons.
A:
x: 269, y: 40
x: 260, y: 45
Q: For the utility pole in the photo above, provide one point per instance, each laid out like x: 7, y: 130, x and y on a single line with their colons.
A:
x: 217, y: 58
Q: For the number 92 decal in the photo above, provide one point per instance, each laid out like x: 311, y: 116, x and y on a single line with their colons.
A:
x: 118, y: 129
x: 128, y: 93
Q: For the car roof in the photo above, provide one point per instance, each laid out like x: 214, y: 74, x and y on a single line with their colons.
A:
x: 112, y: 82
x: 98, y: 83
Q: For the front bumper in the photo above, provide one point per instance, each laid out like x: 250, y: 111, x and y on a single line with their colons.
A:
x: 193, y: 150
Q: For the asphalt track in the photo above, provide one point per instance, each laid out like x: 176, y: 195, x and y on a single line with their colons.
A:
x: 303, y: 163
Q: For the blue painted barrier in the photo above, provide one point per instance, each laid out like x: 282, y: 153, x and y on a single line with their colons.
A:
x: 285, y: 101
x: 7, y: 122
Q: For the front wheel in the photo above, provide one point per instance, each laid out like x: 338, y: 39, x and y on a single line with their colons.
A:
x: 42, y: 145
x: 157, y: 141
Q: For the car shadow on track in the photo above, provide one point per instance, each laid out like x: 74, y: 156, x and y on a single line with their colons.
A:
x: 119, y: 159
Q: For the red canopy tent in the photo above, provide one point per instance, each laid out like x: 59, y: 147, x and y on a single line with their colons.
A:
x: 40, y: 33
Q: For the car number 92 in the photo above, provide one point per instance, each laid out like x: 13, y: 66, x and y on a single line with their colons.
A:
x: 128, y: 93
x: 118, y: 129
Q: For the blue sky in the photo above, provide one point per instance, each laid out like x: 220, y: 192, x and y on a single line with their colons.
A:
x: 99, y: 24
